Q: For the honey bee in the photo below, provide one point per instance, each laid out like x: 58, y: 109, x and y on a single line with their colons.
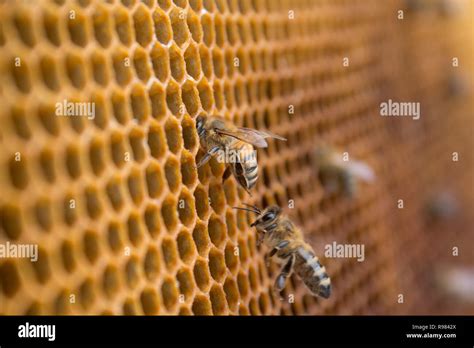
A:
x: 339, y: 175
x: 220, y: 137
x: 286, y: 243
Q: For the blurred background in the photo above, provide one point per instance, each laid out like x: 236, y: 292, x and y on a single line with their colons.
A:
x: 124, y: 222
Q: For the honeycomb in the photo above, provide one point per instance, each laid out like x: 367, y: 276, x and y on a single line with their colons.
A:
x: 124, y: 222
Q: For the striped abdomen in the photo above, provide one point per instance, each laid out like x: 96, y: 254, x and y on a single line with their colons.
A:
x: 313, y: 274
x: 247, y: 170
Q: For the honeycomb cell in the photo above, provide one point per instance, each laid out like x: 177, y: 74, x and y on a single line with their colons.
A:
x: 186, y: 247
x: 152, y: 264
x: 141, y: 64
x: 169, y: 292
x: 202, y: 275
x: 102, y: 24
x: 123, y: 25
x: 186, y: 210
x: 51, y: 27
x: 163, y: 30
x: 152, y: 220
x: 217, y: 265
x: 190, y: 98
x: 179, y: 26
x: 49, y: 73
x: 67, y: 256
x: 91, y: 246
x: 135, y: 229
x: 186, y: 283
x: 231, y: 294
x: 157, y: 96
x: 201, y: 305
x: 143, y: 24
x: 132, y: 272
x: 135, y: 187
x: 110, y: 281
x: 149, y: 301
x: 216, y: 230
x: 11, y: 283
x: 169, y: 213
x: 202, y: 202
x: 218, y: 300
x: 173, y: 173
x: 11, y: 221
x: 157, y: 142
x: 170, y: 253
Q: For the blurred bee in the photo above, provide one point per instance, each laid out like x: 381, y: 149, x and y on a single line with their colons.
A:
x: 338, y: 175
x: 286, y: 243
x: 217, y: 134
x: 443, y: 205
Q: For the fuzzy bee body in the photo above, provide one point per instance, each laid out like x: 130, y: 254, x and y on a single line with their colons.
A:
x: 218, y: 135
x: 341, y: 176
x: 287, y: 245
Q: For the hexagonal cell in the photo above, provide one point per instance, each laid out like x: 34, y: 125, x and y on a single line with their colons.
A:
x: 231, y: 294
x: 201, y: 275
x: 152, y: 219
x: 217, y: 265
x: 217, y: 231
x: 152, y: 263
x: 51, y: 27
x: 132, y: 272
x: 110, y: 281
x: 139, y: 103
x: 154, y: 180
x: 21, y: 75
x: 201, y: 305
x: 186, y: 283
x: 202, y: 202
x: 157, y: 96
x: 18, y: 171
x: 135, y: 186
x: 186, y: 210
x: 67, y: 256
x: 69, y: 210
x: 188, y: 169
x: 43, y: 214
x: 163, y: 30
x: 49, y: 73
x: 150, y: 302
x: 196, y: 5
x: 114, y: 192
x: 141, y: 64
x: 143, y: 24
x: 173, y: 99
x: 218, y: 301
x: 186, y: 247
x: 173, y: 135
x: 137, y: 143
x: 173, y: 173
x: 177, y: 64
x: 179, y: 26
x: 135, y: 229
x: 78, y: 28
x: 102, y: 25
x: 96, y: 156
x: 11, y: 221
x: 19, y: 121
x: 157, y: 141
x: 91, y: 246
x: 170, y: 253
x: 87, y: 293
x: 130, y: 307
x: 121, y: 65
x: 75, y: 69
x: 169, y: 213
x: 169, y: 293
x: 217, y: 198
x: 123, y: 26
x: 206, y: 97
x: 190, y: 97
x: 119, y: 107
x: 10, y: 279
x: 93, y: 202
x: 243, y: 285
x: 48, y: 118
x: 194, y: 26
x: 206, y: 61
x: 115, y: 236
x: 219, y: 30
x: 231, y: 257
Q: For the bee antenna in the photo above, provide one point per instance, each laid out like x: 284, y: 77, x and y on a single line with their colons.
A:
x: 253, y: 207
x: 246, y: 209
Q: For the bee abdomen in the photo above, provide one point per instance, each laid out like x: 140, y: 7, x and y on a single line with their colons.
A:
x: 313, y: 274
x: 251, y: 171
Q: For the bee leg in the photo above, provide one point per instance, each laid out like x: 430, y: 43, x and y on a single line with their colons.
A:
x: 280, y: 245
x: 207, y: 156
x: 280, y: 282
x: 226, y: 174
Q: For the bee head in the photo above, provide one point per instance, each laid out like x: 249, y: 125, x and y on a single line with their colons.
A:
x: 267, y: 217
x: 200, y: 126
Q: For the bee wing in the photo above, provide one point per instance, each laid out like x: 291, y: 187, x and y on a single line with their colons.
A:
x: 251, y: 136
x: 362, y: 171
